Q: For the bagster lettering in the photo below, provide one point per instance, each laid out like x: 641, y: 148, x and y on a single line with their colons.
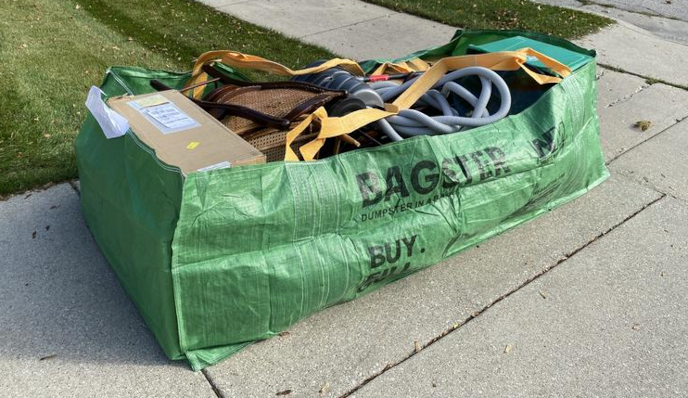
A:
x: 425, y: 176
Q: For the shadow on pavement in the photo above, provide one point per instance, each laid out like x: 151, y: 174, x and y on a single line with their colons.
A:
x: 59, y: 299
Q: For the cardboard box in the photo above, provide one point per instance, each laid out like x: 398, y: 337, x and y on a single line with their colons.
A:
x: 182, y: 134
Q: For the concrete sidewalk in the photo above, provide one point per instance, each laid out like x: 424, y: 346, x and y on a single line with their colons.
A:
x: 349, y: 28
x: 666, y: 19
x: 586, y: 300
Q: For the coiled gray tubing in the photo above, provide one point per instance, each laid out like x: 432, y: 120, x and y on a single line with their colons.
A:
x: 410, y: 122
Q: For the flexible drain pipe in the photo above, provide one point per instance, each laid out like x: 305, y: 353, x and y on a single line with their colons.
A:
x: 410, y: 122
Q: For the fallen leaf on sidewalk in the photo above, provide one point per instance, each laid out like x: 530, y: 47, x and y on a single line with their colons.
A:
x: 643, y: 124
x: 325, y: 388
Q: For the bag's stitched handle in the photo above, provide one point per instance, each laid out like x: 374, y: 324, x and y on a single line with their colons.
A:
x: 330, y: 127
x: 238, y: 60
x: 412, y: 65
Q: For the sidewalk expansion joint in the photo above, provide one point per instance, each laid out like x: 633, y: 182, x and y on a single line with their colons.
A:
x: 676, y: 121
x: 216, y: 389
x: 648, y: 79
x: 349, y: 25
x: 672, y: 196
x: 476, y: 314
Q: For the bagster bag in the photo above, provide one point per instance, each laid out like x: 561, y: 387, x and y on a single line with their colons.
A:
x: 222, y: 258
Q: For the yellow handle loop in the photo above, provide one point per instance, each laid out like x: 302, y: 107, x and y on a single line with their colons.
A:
x: 245, y: 61
x: 330, y: 127
x: 500, y: 61
x: 412, y: 65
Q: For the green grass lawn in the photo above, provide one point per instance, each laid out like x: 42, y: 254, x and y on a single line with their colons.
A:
x: 52, y: 51
x: 501, y: 14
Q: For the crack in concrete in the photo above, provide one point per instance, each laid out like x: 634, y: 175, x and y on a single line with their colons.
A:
x: 476, y: 314
x: 218, y: 392
x: 598, y: 77
x: 627, y: 97
x: 349, y: 25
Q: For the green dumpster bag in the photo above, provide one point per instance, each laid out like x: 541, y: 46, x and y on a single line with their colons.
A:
x: 219, y: 259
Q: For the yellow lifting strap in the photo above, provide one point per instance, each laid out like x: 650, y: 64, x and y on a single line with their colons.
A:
x: 412, y: 65
x: 335, y: 126
x: 245, y: 61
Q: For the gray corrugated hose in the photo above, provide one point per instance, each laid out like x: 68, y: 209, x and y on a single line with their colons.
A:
x: 410, y: 122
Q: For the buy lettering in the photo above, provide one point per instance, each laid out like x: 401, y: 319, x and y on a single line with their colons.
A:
x: 392, y: 253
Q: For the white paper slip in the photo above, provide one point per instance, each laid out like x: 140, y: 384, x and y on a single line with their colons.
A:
x: 170, y: 116
x: 112, y: 123
x: 216, y: 166
x: 167, y: 117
